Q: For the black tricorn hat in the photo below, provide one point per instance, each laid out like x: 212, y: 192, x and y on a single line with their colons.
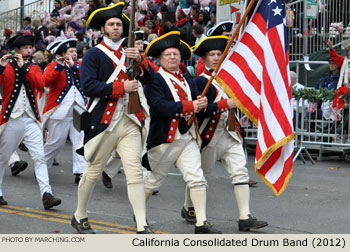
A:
x: 220, y: 28
x: 98, y: 18
x: 64, y: 46
x: 139, y: 35
x: 20, y: 40
x: 52, y: 45
x: 169, y: 40
x: 210, y: 43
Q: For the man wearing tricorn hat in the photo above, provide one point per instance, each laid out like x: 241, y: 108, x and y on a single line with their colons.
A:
x: 221, y: 135
x: 20, y: 118
x: 173, y: 98
x: 224, y: 28
x: 62, y: 79
x: 114, y: 164
x: 111, y: 128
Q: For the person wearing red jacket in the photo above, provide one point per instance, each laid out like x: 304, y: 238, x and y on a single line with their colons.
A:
x: 62, y: 79
x: 342, y: 62
x: 21, y: 81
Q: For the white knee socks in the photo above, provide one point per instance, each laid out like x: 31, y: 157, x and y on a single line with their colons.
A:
x: 199, y: 199
x: 137, y: 199
x: 242, y: 197
x: 188, y: 202
x: 85, y: 189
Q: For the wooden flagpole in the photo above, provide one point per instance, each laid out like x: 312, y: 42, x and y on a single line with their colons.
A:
x: 213, y: 75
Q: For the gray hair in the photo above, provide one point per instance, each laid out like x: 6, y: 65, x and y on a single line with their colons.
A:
x: 293, y: 75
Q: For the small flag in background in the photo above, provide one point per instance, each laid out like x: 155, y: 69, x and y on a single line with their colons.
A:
x: 256, y: 76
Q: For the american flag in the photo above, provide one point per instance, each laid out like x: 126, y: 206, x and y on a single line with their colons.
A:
x: 255, y: 74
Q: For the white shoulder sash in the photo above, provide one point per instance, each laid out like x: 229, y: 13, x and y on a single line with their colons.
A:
x: 221, y: 91
x: 169, y: 78
x: 114, y: 75
x: 221, y: 94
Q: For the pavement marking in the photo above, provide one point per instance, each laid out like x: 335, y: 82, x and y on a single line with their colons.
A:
x: 174, y: 174
x: 69, y: 217
x: 63, y: 218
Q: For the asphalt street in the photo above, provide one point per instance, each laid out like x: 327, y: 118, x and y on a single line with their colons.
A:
x: 316, y: 201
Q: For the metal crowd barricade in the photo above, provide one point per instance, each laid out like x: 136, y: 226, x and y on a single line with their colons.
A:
x: 13, y: 18
x: 317, y: 129
x: 312, y: 131
x: 310, y: 35
x: 251, y: 131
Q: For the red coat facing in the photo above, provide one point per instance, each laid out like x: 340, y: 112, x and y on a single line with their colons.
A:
x: 9, y: 76
x: 56, y: 79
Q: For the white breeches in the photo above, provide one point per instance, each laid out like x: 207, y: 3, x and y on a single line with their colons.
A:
x: 24, y: 129
x: 184, y: 154
x: 58, y: 131
x: 232, y: 156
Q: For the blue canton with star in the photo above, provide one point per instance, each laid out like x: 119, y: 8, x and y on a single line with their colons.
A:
x: 273, y: 11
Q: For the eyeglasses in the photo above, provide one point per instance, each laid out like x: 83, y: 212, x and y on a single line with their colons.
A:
x: 175, y: 55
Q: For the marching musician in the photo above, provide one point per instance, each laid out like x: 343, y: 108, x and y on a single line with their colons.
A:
x: 62, y: 79
x: 20, y: 118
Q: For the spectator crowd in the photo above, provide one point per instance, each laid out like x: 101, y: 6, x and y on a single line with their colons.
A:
x: 155, y: 18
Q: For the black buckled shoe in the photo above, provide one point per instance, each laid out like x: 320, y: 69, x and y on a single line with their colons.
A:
x: 83, y: 227
x: 2, y: 201
x: 50, y: 201
x: 189, y: 215
x: 206, y: 228
x: 147, y: 230
x: 251, y: 223
x: 106, y: 180
x: 77, y: 178
x: 18, y: 166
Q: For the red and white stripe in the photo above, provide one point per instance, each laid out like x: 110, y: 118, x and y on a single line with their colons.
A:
x: 256, y: 75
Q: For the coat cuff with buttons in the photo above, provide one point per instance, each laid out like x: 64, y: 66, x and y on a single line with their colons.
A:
x: 117, y: 89
x: 187, y: 107
x: 59, y: 67
x: 143, y: 64
x: 222, y: 105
